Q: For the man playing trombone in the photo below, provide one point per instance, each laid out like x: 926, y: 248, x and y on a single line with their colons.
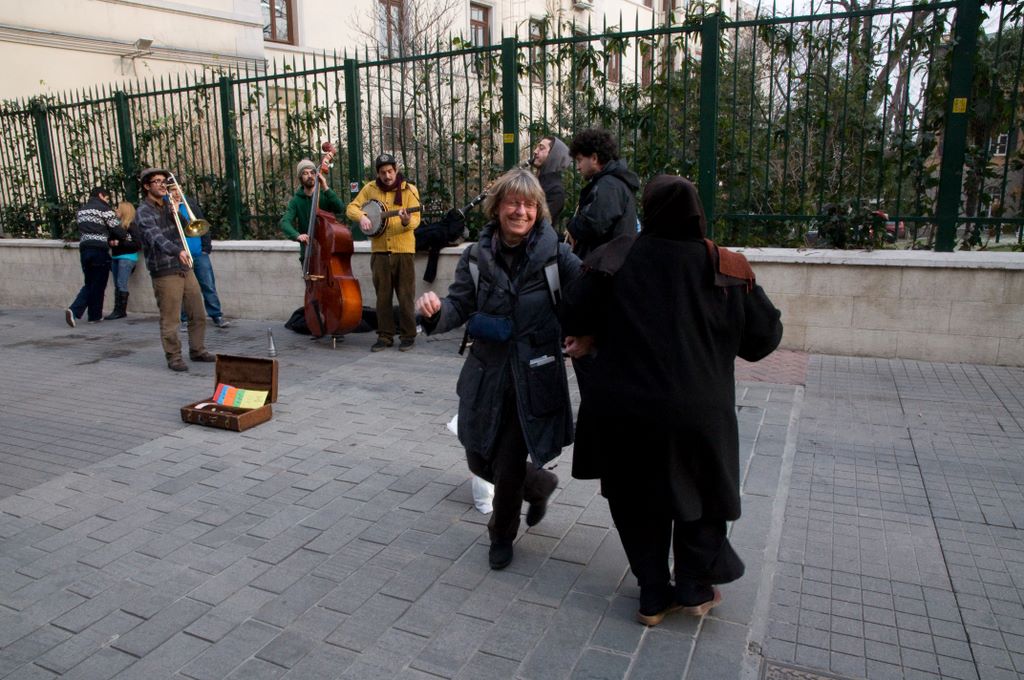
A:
x: 170, y: 266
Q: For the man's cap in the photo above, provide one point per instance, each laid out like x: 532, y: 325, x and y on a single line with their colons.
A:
x: 304, y: 164
x: 149, y: 172
x: 385, y: 159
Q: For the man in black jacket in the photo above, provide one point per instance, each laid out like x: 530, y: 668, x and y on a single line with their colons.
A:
x: 94, y: 219
x: 607, y: 206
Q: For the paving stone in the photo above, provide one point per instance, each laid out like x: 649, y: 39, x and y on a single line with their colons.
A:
x: 368, y: 623
x: 105, y: 663
x: 161, y: 627
x: 598, y: 664
x: 294, y: 601
x: 571, y: 626
x: 220, y: 659
x: 287, y: 649
x: 229, y: 581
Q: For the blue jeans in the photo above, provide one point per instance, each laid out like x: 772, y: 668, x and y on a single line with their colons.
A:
x: 122, y: 270
x: 203, y: 269
x: 96, y: 267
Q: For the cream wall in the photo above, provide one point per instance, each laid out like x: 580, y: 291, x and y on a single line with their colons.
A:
x: 62, y: 45
x: 950, y: 307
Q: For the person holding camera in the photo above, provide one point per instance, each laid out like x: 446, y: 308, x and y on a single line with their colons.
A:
x: 514, y: 409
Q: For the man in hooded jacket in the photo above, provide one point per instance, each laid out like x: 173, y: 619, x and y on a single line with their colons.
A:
x: 669, y: 311
x: 550, y: 159
x: 607, y: 206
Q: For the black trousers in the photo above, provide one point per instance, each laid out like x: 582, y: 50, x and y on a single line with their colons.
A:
x: 703, y: 555
x: 96, y: 268
x: 513, y: 474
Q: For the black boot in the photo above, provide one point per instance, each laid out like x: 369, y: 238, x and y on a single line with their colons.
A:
x: 120, y: 304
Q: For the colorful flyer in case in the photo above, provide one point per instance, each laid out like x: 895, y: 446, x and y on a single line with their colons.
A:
x: 239, y: 398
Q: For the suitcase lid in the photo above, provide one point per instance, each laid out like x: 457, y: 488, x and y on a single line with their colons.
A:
x: 248, y: 373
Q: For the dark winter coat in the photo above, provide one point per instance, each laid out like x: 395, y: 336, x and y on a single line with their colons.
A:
x: 607, y: 208
x: 530, y: 364
x: 671, y: 312
x: 94, y: 220
x: 664, y: 367
x: 129, y: 239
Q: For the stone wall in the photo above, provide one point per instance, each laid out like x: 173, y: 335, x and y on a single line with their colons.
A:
x: 951, y: 307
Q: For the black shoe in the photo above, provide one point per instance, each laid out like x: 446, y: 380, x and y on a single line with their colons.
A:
x: 221, y: 322
x: 535, y: 513
x: 500, y: 555
x: 405, y: 345
x: 381, y: 345
x: 202, y: 356
x: 69, y: 317
x: 655, y: 603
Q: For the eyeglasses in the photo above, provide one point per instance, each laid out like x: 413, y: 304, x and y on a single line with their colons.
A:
x: 525, y: 205
x: 157, y: 181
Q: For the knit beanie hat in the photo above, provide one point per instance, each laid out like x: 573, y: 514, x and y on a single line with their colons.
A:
x: 303, y: 164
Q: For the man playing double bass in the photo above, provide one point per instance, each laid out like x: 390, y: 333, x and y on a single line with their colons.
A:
x: 296, y: 215
x: 392, y: 259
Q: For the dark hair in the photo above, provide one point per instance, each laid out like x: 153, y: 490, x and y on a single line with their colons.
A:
x: 99, y: 190
x: 595, y: 140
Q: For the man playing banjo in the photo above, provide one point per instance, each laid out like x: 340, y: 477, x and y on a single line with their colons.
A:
x: 387, y: 211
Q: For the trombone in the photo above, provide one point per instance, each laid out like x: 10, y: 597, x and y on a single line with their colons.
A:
x: 195, y: 225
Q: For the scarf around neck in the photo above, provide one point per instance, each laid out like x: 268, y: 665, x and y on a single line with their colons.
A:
x: 395, y: 186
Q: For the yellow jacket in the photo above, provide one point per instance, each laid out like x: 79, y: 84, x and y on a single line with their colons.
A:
x: 396, y: 238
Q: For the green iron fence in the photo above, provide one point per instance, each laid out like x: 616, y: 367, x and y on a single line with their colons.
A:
x: 843, y: 125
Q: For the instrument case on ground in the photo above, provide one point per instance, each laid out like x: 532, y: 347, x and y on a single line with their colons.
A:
x: 249, y: 373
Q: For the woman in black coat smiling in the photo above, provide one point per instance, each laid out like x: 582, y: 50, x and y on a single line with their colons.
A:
x: 514, y: 410
x: 669, y: 312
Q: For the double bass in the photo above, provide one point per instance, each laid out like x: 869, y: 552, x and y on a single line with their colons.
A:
x: 333, y: 303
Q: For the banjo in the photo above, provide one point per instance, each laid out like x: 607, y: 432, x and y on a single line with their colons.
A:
x: 378, y: 215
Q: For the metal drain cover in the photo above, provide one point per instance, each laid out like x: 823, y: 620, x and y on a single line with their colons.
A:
x: 773, y: 670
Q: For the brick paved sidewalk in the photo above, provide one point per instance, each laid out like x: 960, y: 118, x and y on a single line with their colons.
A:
x: 339, y: 539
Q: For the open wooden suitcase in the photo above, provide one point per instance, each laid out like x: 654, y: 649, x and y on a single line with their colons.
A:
x: 249, y: 373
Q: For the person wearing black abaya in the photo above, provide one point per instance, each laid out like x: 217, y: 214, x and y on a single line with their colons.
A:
x: 668, y: 312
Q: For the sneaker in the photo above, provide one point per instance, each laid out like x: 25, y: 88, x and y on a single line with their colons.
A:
x: 177, y: 364
x: 221, y: 322
x: 183, y: 328
x: 500, y: 555
x: 381, y: 345
x: 202, y: 356
x: 405, y: 345
x: 96, y: 320
x: 69, y: 317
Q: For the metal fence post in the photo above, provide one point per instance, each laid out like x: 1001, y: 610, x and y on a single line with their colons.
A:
x: 354, y: 132
x: 127, y: 145
x: 509, y: 103
x: 707, y: 177
x: 954, y: 135
x: 45, y: 147
x: 231, y: 174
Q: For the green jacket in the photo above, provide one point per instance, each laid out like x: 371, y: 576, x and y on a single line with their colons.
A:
x: 296, y: 215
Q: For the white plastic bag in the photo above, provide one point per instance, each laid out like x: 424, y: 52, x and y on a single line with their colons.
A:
x: 483, y: 491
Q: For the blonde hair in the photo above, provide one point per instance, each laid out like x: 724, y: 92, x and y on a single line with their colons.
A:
x: 126, y: 213
x: 516, y: 182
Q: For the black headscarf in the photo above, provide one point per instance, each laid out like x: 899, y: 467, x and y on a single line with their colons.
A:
x: 672, y: 209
